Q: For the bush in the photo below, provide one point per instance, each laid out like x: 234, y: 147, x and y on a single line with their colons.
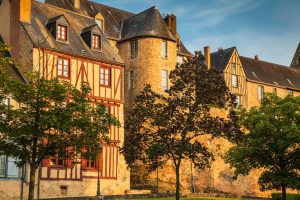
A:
x: 278, y: 196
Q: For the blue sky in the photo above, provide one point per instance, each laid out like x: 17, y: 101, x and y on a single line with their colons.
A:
x: 269, y: 28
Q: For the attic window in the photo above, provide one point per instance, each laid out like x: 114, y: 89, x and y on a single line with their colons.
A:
x: 96, y: 42
x: 62, y: 32
x: 100, y: 23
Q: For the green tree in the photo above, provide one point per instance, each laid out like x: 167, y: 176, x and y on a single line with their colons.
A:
x: 173, y: 125
x: 44, y: 125
x: 270, y: 141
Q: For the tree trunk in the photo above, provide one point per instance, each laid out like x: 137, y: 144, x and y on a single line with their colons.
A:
x: 177, y: 182
x: 283, y: 188
x: 31, y: 182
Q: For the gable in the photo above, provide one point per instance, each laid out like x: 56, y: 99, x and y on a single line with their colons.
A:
x: 296, y: 59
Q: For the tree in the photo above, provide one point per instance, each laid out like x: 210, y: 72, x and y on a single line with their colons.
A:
x: 173, y: 125
x: 53, y: 119
x: 270, y: 142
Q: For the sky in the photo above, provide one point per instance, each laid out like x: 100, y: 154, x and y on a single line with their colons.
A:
x: 268, y: 28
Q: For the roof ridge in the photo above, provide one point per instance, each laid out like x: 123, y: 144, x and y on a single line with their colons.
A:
x: 56, y: 7
x: 279, y: 65
x: 234, y: 47
x: 93, y: 2
x: 152, y: 7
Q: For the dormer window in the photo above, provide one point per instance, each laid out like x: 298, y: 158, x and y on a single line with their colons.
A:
x: 100, y: 23
x: 62, y: 32
x: 96, y: 41
x: 93, y: 37
x: 59, y: 28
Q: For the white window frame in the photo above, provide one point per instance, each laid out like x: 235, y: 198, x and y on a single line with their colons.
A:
x: 260, y: 92
x: 234, y: 81
x: 164, y: 77
x: 9, y: 167
x: 164, y: 49
x: 133, y: 49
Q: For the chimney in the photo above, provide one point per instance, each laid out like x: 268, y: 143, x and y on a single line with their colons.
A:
x: 20, y: 10
x: 256, y: 57
x: 207, y: 56
x: 171, y: 23
x: 76, y: 4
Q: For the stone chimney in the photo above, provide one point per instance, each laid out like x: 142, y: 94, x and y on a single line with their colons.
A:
x: 207, y: 56
x: 20, y: 11
x: 171, y: 23
x: 76, y: 4
x: 256, y: 57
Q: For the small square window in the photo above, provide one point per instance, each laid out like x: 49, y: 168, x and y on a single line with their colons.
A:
x: 105, y: 76
x: 62, y: 32
x: 63, y: 67
x: 96, y: 41
x: 133, y: 49
x: 234, y: 81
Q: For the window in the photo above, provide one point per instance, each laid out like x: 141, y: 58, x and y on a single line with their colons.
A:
x: 238, y: 100
x: 8, y: 167
x: 63, y: 67
x: 2, y: 166
x: 164, y: 50
x: 62, y: 32
x: 299, y: 60
x: 96, y: 41
x: 234, y: 81
x: 133, y: 49
x: 100, y: 23
x: 164, y: 84
x: 89, y: 164
x: 179, y: 60
x: 275, y: 91
x: 234, y: 65
x: 105, y: 77
x: 131, y: 79
x: 260, y: 92
x: 57, y: 161
x: 290, y: 92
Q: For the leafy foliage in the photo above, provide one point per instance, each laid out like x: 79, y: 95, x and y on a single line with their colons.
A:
x: 52, y: 118
x: 270, y: 142
x: 173, y: 125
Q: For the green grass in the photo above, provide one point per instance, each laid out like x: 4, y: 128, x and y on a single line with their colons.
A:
x: 206, y: 198
x: 288, y: 196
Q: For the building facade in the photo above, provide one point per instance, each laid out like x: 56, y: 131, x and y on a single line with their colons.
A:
x: 73, y: 48
x: 117, y: 53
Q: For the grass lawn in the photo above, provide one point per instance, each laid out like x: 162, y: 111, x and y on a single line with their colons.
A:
x: 204, y: 198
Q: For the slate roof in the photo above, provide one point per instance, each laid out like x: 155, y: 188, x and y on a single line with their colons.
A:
x: 220, y: 59
x: 123, y: 25
x: 39, y: 33
x: 147, y: 23
x: 270, y: 73
x: 183, y: 50
x: 12, y: 70
x: 113, y: 16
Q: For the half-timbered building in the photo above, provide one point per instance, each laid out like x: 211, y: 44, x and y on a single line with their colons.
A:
x: 71, y: 47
